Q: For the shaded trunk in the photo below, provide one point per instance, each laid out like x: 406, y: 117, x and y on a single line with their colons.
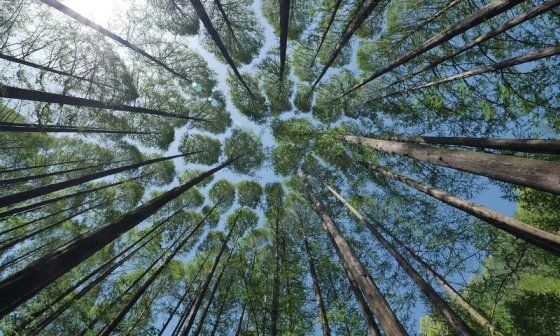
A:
x: 55, y: 98
x: 53, y: 187
x: 184, y: 315
x: 11, y: 170
x: 513, y: 145
x: 373, y: 296
x: 124, y: 310
x: 329, y: 24
x: 484, y: 37
x: 240, y: 322
x: 224, y: 15
x: 198, y: 302
x: 36, y: 128
x: 284, y: 28
x: 276, y: 281
x: 356, y: 22
x: 538, y: 174
x: 48, y: 69
x: 487, y: 12
x: 317, y: 289
x: 442, y: 307
x: 203, y: 16
x: 24, y: 284
x: 545, y: 240
x: 83, y: 20
x: 531, y: 57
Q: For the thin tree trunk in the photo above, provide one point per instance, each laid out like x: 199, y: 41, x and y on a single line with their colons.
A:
x: 531, y: 13
x: 124, y: 310
x: 36, y: 128
x: 545, y: 240
x: 83, y: 20
x: 18, y: 169
x: 48, y: 69
x: 375, y: 299
x: 487, y: 12
x: 184, y: 315
x: 239, y: 323
x: 276, y: 281
x: 198, y: 302
x: 55, y: 98
x: 284, y: 28
x: 53, y: 187
x: 316, y: 288
x: 203, y: 16
x: 513, y: 145
x: 24, y: 284
x: 475, y: 315
x: 329, y: 24
x: 224, y: 15
x: 442, y: 307
x: 531, y: 57
x: 357, y: 21
x: 219, y: 314
x: 538, y: 174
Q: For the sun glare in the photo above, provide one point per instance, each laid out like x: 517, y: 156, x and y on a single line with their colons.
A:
x: 100, y: 11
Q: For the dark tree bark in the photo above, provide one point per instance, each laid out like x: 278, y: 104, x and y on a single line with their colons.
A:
x: 329, y: 24
x: 36, y: 128
x: 85, y: 21
x: 18, y: 169
x: 225, y: 17
x: 356, y: 22
x: 284, y: 28
x: 53, y: 187
x: 55, y: 98
x: 240, y: 322
x: 513, y: 145
x: 538, y: 174
x: 487, y: 12
x: 316, y: 288
x: 124, y: 310
x: 24, y: 284
x: 442, y: 307
x: 203, y: 16
x: 373, y: 296
x: 545, y: 240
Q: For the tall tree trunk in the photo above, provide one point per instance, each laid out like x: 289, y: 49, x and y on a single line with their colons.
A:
x: 36, y: 128
x: 316, y: 287
x: 329, y: 24
x: 240, y: 322
x: 24, y: 284
x: 18, y: 169
x: 198, y: 302
x: 442, y: 307
x: 48, y: 69
x: 545, y: 240
x: 276, y: 280
x: 357, y: 21
x: 203, y: 16
x: 83, y: 20
x: 375, y: 299
x: 531, y: 57
x: 185, y: 312
x: 531, y: 13
x: 124, y: 310
x: 219, y: 313
x: 513, y: 145
x: 53, y: 187
x: 487, y: 12
x: 284, y: 28
x: 55, y: 98
x: 538, y: 174
x: 225, y: 17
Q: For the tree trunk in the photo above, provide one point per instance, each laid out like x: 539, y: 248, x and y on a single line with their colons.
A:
x: 537, y: 55
x: 538, y: 174
x: 198, y: 302
x: 53, y: 187
x: 487, y: 12
x: 18, y: 169
x: 124, y: 310
x: 83, y: 20
x: 224, y: 15
x: 329, y: 24
x: 483, y: 38
x: 276, y: 281
x: 545, y: 240
x: 357, y: 21
x: 513, y: 145
x: 442, y: 307
x: 55, y: 98
x: 284, y: 28
x: 240, y: 322
x: 36, y: 128
x: 375, y: 299
x: 219, y: 313
x: 184, y: 315
x: 316, y: 288
x: 203, y: 16
x: 24, y: 284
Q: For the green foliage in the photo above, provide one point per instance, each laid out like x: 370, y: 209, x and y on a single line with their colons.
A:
x: 206, y: 150
x: 249, y: 193
x: 222, y: 193
x: 247, y: 148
